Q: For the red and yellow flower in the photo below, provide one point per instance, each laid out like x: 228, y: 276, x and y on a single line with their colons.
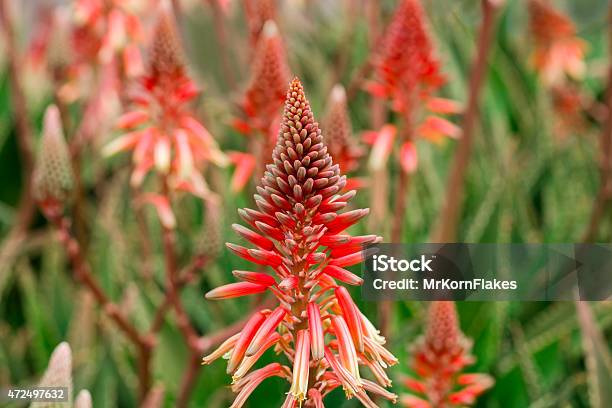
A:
x: 300, y: 235
x: 557, y: 50
x: 162, y: 131
x: 439, y: 358
x: 407, y: 73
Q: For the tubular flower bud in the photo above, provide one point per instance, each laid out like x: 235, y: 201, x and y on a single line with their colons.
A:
x: 297, y: 234
x: 351, y: 316
x: 557, y: 49
x: 346, y: 347
x: 247, y: 385
x: 248, y: 362
x: 246, y: 335
x: 440, y: 356
x: 225, y: 347
x: 343, y: 275
x: 299, y: 381
x: 316, y: 398
x: 268, y: 327
x: 53, y: 177
x: 162, y: 131
x: 121, y: 39
x: 255, y: 277
x: 236, y: 290
x: 316, y: 331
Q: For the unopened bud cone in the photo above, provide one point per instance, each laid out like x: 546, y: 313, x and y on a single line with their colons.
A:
x: 53, y: 177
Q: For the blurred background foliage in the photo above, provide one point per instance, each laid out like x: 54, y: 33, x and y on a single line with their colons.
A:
x: 527, y: 182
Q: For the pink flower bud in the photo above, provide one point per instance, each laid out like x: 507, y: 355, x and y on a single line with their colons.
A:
x: 351, y: 316
x: 342, y: 275
x: 225, y: 347
x: 316, y: 331
x: 249, y: 361
x: 557, y: 51
x: 253, y: 237
x: 256, y: 377
x: 255, y: 277
x: 346, y: 347
x: 269, y: 326
x: 53, y: 177
x: 246, y: 336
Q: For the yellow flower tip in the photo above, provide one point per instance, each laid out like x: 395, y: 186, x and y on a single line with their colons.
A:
x: 300, y: 397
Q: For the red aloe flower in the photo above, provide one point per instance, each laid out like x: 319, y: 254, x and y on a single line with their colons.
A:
x: 300, y: 235
x: 91, y: 47
x: 406, y: 66
x: 408, y: 73
x: 439, y: 359
x: 53, y: 176
x: 338, y: 132
x: 265, y: 93
x: 557, y: 49
x: 163, y: 133
x: 106, y: 30
x: 262, y: 103
x: 257, y: 12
